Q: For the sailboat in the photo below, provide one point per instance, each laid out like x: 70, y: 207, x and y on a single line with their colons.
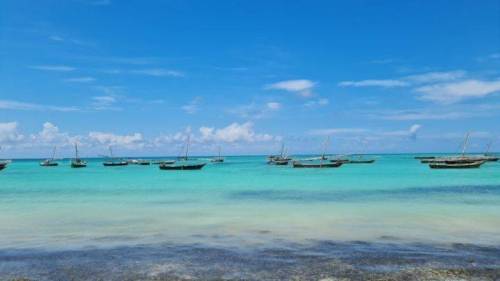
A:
x: 51, y: 162
x: 112, y: 161
x: 488, y: 156
x: 281, y: 160
x: 321, y: 163
x: 183, y: 164
x: 460, y: 162
x: 4, y: 163
x: 218, y: 159
x: 77, y: 162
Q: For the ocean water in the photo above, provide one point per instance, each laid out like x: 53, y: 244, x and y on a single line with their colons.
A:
x: 246, y: 203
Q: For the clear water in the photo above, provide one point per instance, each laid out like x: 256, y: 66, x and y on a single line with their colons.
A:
x: 247, y: 202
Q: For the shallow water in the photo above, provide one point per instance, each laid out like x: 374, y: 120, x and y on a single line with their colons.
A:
x: 247, y: 202
x: 395, y: 219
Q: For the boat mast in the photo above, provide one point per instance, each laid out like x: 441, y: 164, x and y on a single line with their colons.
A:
x: 325, y: 147
x: 76, y: 151
x: 187, y: 147
x: 466, y: 142
x: 54, y: 153
x: 110, y: 152
x: 488, y: 147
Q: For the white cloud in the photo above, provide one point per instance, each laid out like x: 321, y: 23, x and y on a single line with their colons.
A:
x: 61, y: 68
x: 132, y: 141
x: 105, y: 103
x: 193, y: 106
x: 302, y: 87
x: 406, y: 81
x: 273, y: 105
x: 447, y: 93
x: 411, y: 133
x: 159, y: 72
x: 318, y: 102
x: 16, y: 105
x: 374, y: 83
x: 51, y: 136
x: 432, y: 77
x: 85, y: 79
x: 9, y: 133
x: 235, y: 132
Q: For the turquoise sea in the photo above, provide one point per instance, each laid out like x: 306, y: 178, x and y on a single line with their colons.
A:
x: 246, y: 204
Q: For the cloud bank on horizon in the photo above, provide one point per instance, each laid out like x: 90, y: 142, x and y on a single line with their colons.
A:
x: 144, y: 76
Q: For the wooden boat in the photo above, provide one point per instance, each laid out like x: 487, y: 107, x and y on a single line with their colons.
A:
x: 361, y: 161
x: 457, y: 160
x: 48, y: 163
x: 490, y: 158
x: 424, y: 157
x: 217, y: 159
x: 472, y: 165
x: 77, y: 162
x: 143, y: 162
x: 112, y: 161
x: 158, y: 162
x: 51, y: 161
x: 3, y: 165
x: 297, y: 164
x: 182, y: 166
x: 281, y: 159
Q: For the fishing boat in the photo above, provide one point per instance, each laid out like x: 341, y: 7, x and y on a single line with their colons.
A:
x: 323, y: 163
x: 298, y: 164
x: 51, y: 161
x: 488, y: 156
x: 361, y: 161
x: 424, y: 157
x: 184, y: 164
x: 471, y: 165
x: 281, y: 159
x: 3, y: 163
x: 112, y: 161
x: 158, y: 162
x: 77, y: 162
x: 456, y: 162
x: 143, y: 162
x: 217, y: 159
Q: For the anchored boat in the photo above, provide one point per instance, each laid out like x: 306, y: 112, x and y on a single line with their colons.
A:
x: 112, y: 161
x: 297, y: 164
x: 77, y: 162
x: 51, y: 161
x: 184, y: 164
x: 471, y: 165
x: 218, y: 159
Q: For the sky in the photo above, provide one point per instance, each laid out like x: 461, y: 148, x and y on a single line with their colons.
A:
x: 140, y: 76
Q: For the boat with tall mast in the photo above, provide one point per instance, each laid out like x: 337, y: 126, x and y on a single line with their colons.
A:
x: 113, y: 161
x: 219, y: 158
x: 318, y: 162
x: 281, y: 159
x: 488, y: 156
x: 3, y: 163
x: 50, y: 162
x: 77, y: 162
x: 457, y: 162
x: 183, y: 163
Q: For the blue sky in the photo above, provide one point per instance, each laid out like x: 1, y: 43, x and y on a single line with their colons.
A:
x: 376, y: 76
